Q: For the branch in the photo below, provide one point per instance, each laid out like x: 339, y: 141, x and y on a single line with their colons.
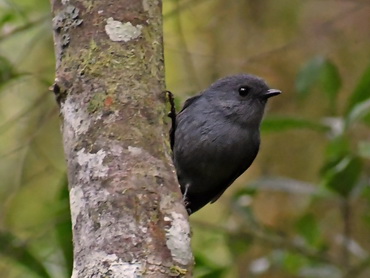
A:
x: 272, y: 240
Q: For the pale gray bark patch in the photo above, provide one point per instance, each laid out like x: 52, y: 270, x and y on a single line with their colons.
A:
x: 77, y: 202
x: 99, y: 263
x: 91, y: 165
x: 118, y: 31
x: 145, y: 5
x: 74, y: 116
x: 178, y: 238
x: 135, y: 150
x: 108, y: 119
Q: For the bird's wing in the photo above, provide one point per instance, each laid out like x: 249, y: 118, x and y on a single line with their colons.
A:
x: 187, y: 103
x: 238, y: 171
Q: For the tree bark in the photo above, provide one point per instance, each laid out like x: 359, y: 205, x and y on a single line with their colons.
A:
x: 127, y: 215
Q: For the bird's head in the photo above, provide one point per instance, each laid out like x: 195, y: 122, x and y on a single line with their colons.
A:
x: 241, y: 98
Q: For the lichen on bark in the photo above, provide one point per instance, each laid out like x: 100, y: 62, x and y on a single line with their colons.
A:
x: 127, y: 214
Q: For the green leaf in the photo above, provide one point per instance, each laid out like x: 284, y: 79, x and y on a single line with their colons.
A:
x: 360, y: 112
x: 273, y: 124
x: 362, y: 91
x: 239, y: 245
x: 206, y: 269
x: 18, y: 251
x: 214, y: 273
x: 320, y: 71
x: 337, y: 148
x: 290, y: 262
x: 251, y: 191
x: 330, y: 80
x: 7, y: 71
x: 364, y: 149
x: 343, y: 176
x: 293, y: 262
x: 309, y: 75
x: 6, y: 17
x: 308, y: 228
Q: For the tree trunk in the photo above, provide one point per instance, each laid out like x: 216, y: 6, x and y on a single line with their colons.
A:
x: 127, y: 215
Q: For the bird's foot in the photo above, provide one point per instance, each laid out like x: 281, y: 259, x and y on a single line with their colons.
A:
x: 184, y: 199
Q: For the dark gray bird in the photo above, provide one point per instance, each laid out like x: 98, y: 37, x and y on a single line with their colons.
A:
x: 216, y: 136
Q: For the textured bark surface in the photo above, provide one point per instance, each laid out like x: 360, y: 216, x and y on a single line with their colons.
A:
x: 127, y: 215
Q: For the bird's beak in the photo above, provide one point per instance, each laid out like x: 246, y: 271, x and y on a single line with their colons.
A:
x: 271, y: 93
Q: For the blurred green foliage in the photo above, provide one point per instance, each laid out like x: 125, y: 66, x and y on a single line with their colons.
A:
x: 302, y: 209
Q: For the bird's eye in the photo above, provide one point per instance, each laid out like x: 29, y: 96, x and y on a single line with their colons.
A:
x: 244, y: 90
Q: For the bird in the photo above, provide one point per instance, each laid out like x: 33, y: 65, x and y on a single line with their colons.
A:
x: 216, y: 136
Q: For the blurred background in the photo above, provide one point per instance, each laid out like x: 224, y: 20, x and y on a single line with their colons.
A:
x: 301, y: 210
